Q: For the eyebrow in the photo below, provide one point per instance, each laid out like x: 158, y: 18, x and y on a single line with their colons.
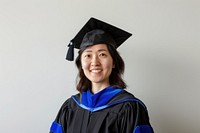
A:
x: 99, y: 50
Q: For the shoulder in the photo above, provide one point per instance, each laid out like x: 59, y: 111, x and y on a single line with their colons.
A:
x: 126, y: 97
x: 127, y: 102
x: 70, y: 103
x: 67, y: 107
x: 134, y: 108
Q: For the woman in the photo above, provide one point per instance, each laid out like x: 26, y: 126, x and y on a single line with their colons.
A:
x: 102, y: 106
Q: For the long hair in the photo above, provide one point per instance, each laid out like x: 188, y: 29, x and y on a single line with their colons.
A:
x: 115, y: 79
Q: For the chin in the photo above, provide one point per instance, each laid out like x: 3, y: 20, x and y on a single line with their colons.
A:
x: 96, y: 81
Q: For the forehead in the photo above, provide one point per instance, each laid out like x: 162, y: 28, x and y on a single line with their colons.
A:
x: 96, y: 48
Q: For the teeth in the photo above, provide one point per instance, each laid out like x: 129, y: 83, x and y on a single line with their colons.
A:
x: 96, y: 71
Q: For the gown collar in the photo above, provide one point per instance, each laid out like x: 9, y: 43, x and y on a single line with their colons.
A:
x: 99, y: 99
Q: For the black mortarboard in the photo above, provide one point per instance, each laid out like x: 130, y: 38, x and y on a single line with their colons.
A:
x: 96, y: 32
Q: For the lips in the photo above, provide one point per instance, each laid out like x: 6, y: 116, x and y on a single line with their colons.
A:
x: 95, y: 70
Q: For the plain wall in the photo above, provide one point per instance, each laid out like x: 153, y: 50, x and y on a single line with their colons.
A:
x: 162, y: 59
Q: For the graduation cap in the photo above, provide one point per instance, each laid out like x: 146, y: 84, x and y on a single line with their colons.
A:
x: 97, y: 32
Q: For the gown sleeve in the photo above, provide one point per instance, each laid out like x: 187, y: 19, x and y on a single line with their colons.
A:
x: 57, y: 125
x: 134, y: 119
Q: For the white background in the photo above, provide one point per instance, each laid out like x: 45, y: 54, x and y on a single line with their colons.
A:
x: 162, y: 59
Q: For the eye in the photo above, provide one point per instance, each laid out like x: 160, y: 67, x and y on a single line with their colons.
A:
x: 87, y: 56
x: 102, y: 55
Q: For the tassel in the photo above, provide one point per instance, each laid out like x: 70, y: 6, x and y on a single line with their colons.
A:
x: 70, y: 52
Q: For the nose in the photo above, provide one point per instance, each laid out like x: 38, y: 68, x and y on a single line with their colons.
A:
x: 95, y: 61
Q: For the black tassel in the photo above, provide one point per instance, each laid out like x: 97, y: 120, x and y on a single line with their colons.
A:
x: 70, y: 52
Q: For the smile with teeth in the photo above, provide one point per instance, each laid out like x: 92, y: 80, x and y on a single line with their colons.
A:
x: 96, y: 71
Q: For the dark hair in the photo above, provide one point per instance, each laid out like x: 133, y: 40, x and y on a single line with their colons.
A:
x: 115, y: 79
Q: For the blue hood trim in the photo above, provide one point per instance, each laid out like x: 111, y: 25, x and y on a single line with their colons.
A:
x: 99, y: 99
x: 56, y: 128
x: 143, y: 129
x: 107, y: 105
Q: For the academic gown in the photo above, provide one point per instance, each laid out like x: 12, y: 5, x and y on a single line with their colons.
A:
x: 112, y: 110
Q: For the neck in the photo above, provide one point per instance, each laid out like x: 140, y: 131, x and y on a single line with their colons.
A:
x: 98, y: 87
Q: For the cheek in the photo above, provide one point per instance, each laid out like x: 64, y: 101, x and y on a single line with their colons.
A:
x: 109, y: 65
x: 85, y: 65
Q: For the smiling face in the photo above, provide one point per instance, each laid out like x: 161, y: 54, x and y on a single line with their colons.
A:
x: 97, y: 64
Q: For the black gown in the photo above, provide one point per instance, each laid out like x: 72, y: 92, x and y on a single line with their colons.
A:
x: 111, y: 110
